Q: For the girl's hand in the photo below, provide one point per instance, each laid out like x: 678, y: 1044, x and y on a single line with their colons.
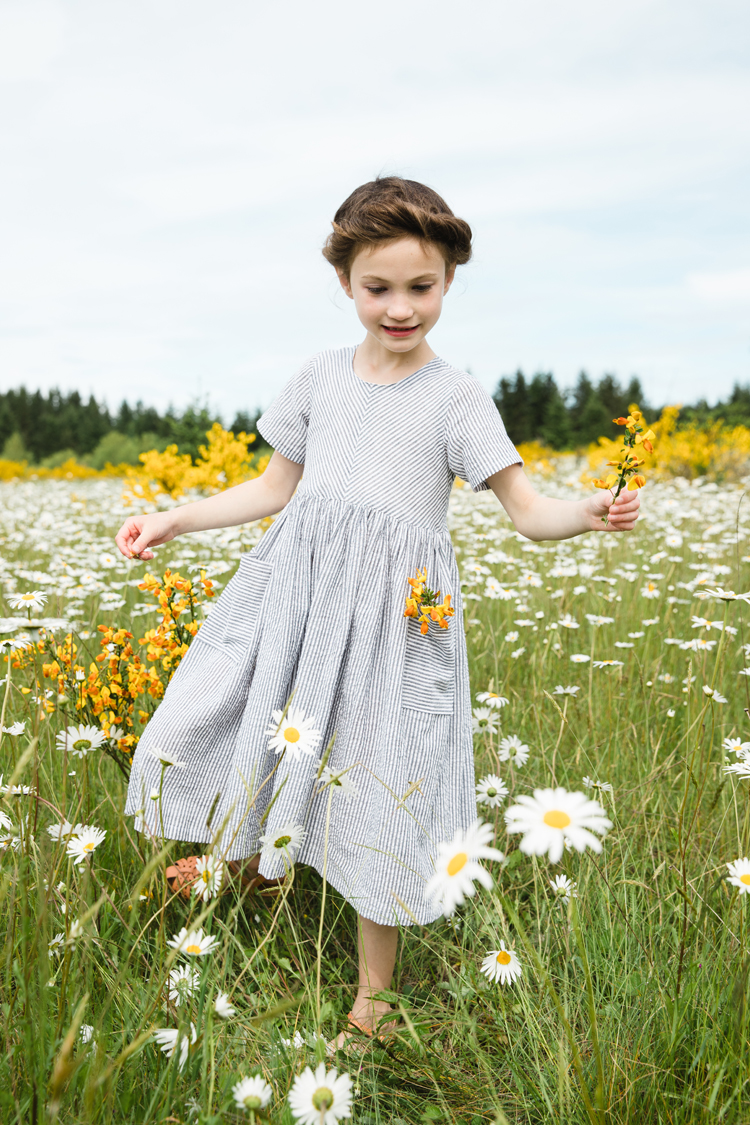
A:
x: 139, y: 533
x: 622, y: 512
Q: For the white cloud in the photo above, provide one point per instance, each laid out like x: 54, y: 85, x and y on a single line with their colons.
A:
x: 730, y: 287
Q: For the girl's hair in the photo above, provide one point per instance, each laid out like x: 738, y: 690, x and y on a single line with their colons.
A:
x: 389, y: 208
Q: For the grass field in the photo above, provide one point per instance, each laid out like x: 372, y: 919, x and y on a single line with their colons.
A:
x: 632, y: 1002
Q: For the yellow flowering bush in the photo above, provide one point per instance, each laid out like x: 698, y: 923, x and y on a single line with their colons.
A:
x: 717, y: 451
x: 223, y: 462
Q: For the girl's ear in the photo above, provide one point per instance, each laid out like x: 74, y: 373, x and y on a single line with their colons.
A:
x: 450, y: 273
x: 345, y: 283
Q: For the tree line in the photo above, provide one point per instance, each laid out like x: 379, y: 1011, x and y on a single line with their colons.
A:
x: 48, y: 429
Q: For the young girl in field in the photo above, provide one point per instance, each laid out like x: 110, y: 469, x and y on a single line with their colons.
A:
x: 317, y: 607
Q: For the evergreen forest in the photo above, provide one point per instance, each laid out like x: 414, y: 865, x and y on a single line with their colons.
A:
x: 47, y: 429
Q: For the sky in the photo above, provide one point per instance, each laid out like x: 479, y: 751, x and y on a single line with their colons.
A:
x: 170, y: 169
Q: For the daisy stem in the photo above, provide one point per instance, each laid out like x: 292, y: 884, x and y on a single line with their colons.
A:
x: 547, y: 983
x: 592, y: 1009
x: 322, y: 907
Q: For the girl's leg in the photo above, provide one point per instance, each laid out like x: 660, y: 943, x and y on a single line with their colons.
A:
x: 377, y: 959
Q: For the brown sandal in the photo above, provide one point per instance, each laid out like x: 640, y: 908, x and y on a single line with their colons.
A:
x: 184, y: 873
x: 381, y: 1036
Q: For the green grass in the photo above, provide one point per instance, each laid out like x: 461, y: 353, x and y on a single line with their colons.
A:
x: 632, y: 1006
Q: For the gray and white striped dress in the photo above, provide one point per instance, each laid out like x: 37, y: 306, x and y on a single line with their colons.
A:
x: 318, y: 607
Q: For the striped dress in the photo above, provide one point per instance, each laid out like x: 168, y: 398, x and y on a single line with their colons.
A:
x: 317, y: 608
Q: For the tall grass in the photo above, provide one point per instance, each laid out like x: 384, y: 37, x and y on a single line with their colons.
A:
x: 632, y: 1006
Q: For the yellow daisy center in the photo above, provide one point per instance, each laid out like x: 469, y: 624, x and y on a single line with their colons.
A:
x: 745, y: 879
x: 503, y: 958
x: 90, y: 847
x: 492, y: 695
x: 556, y: 818
x: 322, y: 1099
x: 192, y: 949
x: 458, y: 862
x: 291, y: 734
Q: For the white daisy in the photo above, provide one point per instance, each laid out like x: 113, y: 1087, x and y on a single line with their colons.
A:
x: 194, y: 943
x: 723, y: 595
x: 222, y: 1007
x: 608, y: 664
x: 294, y: 733
x: 624, y: 644
x: 510, y: 637
x: 252, y: 1093
x: 491, y: 698
x: 502, y: 965
x: 5, y: 821
x: 599, y: 619
x: 483, y: 721
x: 671, y: 713
x: 650, y: 621
x: 602, y: 786
x: 491, y: 791
x: 166, y: 757
x: 456, y: 866
x: 516, y: 653
x: 737, y: 746
x: 650, y: 590
x: 80, y: 740
x: 741, y: 768
x: 82, y: 845
x: 341, y: 783
x: 568, y: 622
x: 739, y: 875
x: 636, y: 636
x: 210, y: 874
x: 553, y: 817
x: 320, y: 1097
x: 286, y: 840
x: 57, y: 944
x: 15, y: 728
x: 181, y: 984
x: 580, y: 658
x: 86, y: 1032
x: 512, y: 747
x: 571, y: 689
x: 33, y: 600
x: 171, y: 1041
x: 716, y: 696
x: 564, y: 888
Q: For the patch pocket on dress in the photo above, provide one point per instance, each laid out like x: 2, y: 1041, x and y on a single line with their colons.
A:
x: 429, y: 669
x: 233, y: 619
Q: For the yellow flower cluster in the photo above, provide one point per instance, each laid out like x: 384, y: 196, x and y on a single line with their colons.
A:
x: 424, y: 603
x: 121, y: 680
x: 626, y: 465
x: 223, y: 462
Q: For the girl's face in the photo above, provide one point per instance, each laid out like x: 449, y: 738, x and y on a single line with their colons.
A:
x: 398, y: 289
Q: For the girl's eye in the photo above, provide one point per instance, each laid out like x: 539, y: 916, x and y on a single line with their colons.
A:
x: 423, y: 288
x: 376, y: 289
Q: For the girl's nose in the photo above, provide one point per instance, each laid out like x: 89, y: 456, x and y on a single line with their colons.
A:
x: 399, y: 309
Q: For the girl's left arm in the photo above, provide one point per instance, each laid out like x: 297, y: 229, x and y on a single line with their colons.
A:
x: 541, y: 517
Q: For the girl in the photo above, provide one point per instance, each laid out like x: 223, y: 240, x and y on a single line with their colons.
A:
x: 317, y: 607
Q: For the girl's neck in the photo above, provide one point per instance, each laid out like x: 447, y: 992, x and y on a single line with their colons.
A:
x: 375, y: 364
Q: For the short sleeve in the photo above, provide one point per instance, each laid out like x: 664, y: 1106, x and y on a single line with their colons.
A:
x: 476, y: 440
x: 284, y: 424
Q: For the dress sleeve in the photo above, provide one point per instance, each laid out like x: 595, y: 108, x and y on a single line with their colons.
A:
x: 476, y: 440
x: 284, y: 424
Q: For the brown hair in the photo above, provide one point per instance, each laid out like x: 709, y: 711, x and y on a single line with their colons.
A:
x: 388, y: 208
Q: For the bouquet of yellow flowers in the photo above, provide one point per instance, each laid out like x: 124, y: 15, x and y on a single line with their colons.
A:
x: 425, y: 604
x: 625, y: 470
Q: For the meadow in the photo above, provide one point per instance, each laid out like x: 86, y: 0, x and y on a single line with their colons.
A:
x: 623, y: 664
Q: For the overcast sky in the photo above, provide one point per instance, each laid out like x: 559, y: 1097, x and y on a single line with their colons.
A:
x: 170, y: 169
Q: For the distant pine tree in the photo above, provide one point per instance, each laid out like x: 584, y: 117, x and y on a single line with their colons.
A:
x: 512, y: 400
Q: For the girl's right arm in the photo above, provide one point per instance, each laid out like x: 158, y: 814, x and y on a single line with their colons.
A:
x: 252, y: 500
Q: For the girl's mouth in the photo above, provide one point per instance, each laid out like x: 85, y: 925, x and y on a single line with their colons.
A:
x: 399, y: 332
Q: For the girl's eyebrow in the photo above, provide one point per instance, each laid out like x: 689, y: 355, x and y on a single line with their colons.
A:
x: 385, y: 280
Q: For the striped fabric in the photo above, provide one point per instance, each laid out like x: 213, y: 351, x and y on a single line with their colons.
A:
x: 316, y: 608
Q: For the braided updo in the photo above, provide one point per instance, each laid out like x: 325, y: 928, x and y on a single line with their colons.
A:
x: 389, y: 208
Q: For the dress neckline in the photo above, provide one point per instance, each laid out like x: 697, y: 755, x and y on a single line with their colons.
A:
x: 398, y: 382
